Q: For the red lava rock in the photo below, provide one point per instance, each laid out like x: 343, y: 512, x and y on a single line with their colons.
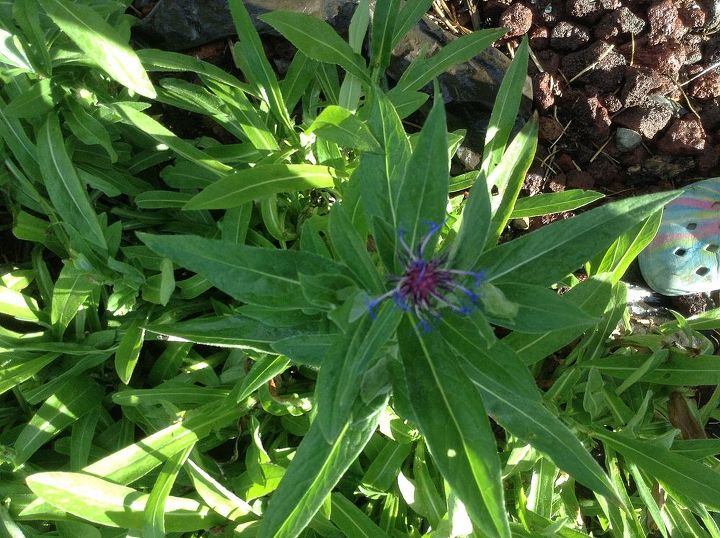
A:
x: 592, y: 115
x: 568, y: 36
x: 534, y: 181
x: 706, y: 87
x: 647, y: 120
x: 708, y: 159
x: 685, y: 136
x: 692, y: 13
x: 549, y: 60
x: 618, y: 24
x: 556, y: 183
x: 661, y: 16
x: 710, y: 115
x: 580, y: 179
x: 565, y: 162
x: 666, y: 58
x: 639, y: 82
x: 517, y: 19
x: 549, y: 129
x: 611, y: 102
x: 693, y: 52
x: 603, y: 171
x: 539, y: 38
x: 606, y: 73
x: 590, y: 9
x: 544, y: 90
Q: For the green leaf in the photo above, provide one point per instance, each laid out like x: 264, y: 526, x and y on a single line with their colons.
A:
x: 262, y: 276
x: 422, y: 194
x: 105, y: 503
x: 66, y: 190
x: 451, y: 416
x: 128, y: 350
x: 315, y: 469
x: 18, y: 305
x: 262, y: 371
x: 154, y: 513
x: 341, y: 126
x: 76, y: 397
x: 511, y: 396
x: 627, y: 247
x: 317, y: 40
x: 422, y: 70
x: 89, y: 130
x: 679, y: 369
x: 383, y: 28
x: 508, y: 176
x: 299, y: 74
x: 250, y: 57
x: 262, y: 180
x: 352, y: 249
x: 225, y: 331
x: 36, y: 101
x: 505, y: 109
x: 156, y: 130
x: 14, y: 136
x: 553, y: 202
x: 592, y: 296
x: 546, y: 255
x: 216, y: 496
x: 351, y: 520
x: 102, y: 44
x: 339, y: 382
x: 410, y: 14
x: 166, y: 61
x: 696, y: 480
x: 71, y: 290
x: 539, y: 310
x: 380, y: 176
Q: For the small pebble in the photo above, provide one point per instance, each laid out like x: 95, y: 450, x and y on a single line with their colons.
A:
x: 627, y: 139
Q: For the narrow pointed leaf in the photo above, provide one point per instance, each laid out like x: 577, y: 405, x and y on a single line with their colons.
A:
x: 105, y: 503
x: 66, y: 190
x: 510, y: 395
x: 694, y: 479
x: 260, y: 181
x: 314, y: 471
x: 255, y: 275
x: 546, y: 255
x: 101, y: 43
x: 452, y: 419
x: 317, y: 40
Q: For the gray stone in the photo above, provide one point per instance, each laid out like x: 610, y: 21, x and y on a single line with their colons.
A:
x: 627, y: 139
x: 184, y: 24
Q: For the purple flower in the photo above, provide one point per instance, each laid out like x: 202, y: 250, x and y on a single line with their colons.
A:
x: 427, y: 286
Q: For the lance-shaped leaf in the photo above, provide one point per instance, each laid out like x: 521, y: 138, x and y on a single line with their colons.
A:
x: 338, y: 385
x: 451, y: 416
x: 263, y: 180
x: 511, y: 396
x: 546, y: 255
x: 317, y: 40
x: 422, y: 195
x: 102, y: 44
x: 66, y: 190
x: 688, y: 477
x: 315, y: 469
x: 103, y: 502
x: 262, y: 276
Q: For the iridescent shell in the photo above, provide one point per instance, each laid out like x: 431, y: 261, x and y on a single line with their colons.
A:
x: 684, y: 256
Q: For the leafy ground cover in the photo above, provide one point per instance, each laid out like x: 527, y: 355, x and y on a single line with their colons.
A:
x: 303, y: 332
